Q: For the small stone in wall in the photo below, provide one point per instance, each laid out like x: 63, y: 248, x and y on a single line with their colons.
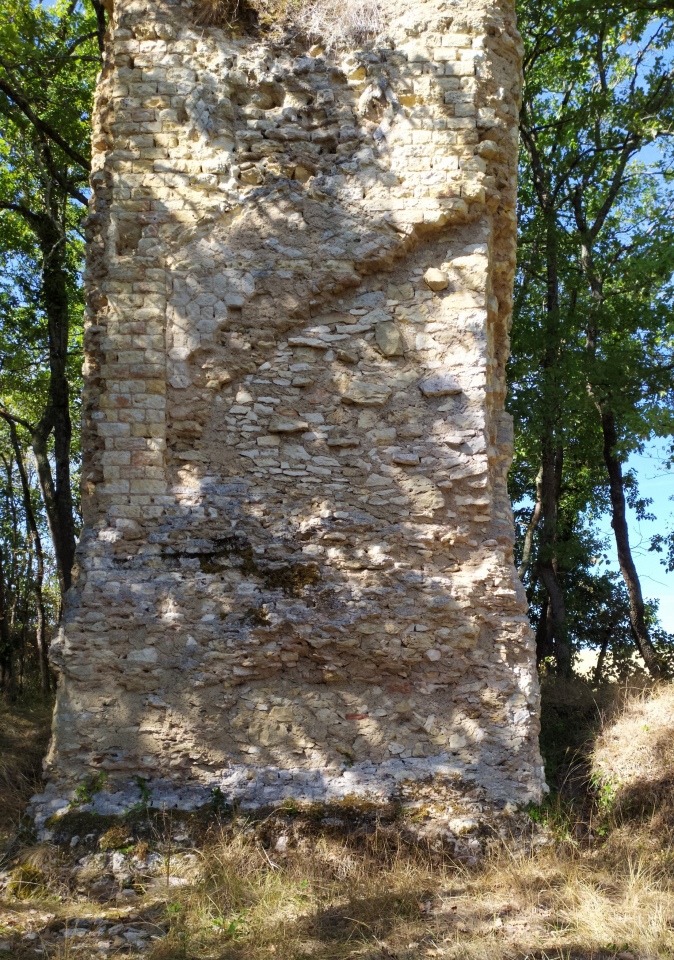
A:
x: 424, y: 495
x: 436, y: 279
x: 130, y: 529
x: 405, y: 459
x: 302, y: 174
x: 366, y: 394
x: 148, y: 655
x: 287, y: 425
x: 389, y: 340
x: 346, y: 356
x: 441, y: 385
x: 357, y: 75
x: 489, y: 149
x: 221, y: 379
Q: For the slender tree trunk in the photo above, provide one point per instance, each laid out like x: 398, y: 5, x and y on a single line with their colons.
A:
x: 41, y: 628
x: 552, y: 466
x: 56, y: 488
x: 599, y: 668
x: 544, y: 648
x: 13, y: 575
x: 101, y: 22
x: 25, y: 620
x: 627, y: 566
x: 552, y: 456
x: 6, y: 652
x: 613, y: 465
x: 13, y: 518
x: 531, y: 529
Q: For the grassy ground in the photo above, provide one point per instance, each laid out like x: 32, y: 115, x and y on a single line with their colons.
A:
x: 594, y: 878
x: 24, y: 732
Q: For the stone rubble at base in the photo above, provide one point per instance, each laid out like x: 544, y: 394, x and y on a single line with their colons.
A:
x: 296, y: 574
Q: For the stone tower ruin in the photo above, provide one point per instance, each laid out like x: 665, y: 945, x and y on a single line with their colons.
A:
x: 296, y: 574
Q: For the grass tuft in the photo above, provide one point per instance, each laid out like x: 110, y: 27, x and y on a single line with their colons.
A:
x: 329, y: 21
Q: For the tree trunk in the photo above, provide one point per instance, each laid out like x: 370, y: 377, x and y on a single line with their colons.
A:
x: 41, y: 627
x: 6, y: 652
x: 56, y: 489
x: 551, y: 482
x: 544, y: 648
x: 531, y: 529
x: 25, y: 620
x: 628, y: 568
x: 599, y: 668
x: 552, y: 454
x: 620, y: 529
x: 101, y: 23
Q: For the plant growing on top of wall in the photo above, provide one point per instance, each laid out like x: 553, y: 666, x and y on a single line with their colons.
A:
x: 331, y: 21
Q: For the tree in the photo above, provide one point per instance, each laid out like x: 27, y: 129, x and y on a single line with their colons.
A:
x: 48, y: 62
x: 590, y: 370
x: 27, y: 595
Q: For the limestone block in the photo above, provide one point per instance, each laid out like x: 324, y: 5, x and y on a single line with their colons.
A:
x: 287, y: 425
x: 440, y: 385
x: 436, y: 279
x: 389, y: 340
x: 366, y: 394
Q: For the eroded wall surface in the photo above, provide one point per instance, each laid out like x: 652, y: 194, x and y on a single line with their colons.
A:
x: 296, y: 575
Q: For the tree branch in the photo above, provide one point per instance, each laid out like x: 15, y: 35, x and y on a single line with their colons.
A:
x: 62, y: 181
x: 101, y: 21
x: 25, y: 212
x: 12, y: 418
x: 17, y: 98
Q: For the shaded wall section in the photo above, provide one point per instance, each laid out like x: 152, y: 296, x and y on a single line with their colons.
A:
x: 296, y: 576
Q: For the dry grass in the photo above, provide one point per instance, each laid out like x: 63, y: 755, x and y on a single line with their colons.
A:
x: 322, y: 902
x: 24, y: 732
x: 634, y: 751
x: 335, y: 20
x: 321, y: 898
x: 278, y: 890
x: 330, y: 21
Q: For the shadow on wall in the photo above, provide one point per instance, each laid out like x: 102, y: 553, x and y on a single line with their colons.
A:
x: 324, y: 601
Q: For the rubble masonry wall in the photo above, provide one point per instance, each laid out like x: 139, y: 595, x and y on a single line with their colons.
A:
x: 296, y: 574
